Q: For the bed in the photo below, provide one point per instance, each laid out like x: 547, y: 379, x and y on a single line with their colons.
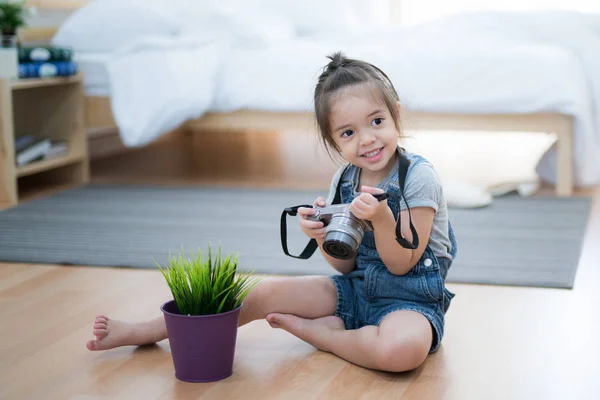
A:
x: 495, y: 71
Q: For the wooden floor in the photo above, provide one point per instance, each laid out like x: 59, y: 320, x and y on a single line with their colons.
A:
x: 500, y: 343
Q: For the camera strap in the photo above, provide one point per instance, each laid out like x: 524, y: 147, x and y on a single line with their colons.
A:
x: 293, y: 211
x: 402, y: 173
x: 312, y: 245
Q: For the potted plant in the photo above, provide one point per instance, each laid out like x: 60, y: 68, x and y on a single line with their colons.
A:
x: 12, y: 17
x: 202, y: 319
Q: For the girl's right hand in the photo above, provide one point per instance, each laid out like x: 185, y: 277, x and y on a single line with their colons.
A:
x: 312, y: 229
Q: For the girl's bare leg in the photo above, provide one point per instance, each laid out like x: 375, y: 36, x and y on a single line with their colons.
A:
x: 401, y: 342
x: 306, y: 296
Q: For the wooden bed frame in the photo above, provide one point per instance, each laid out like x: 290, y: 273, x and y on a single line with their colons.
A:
x: 101, y: 125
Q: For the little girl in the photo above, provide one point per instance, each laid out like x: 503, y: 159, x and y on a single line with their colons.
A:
x: 386, y: 309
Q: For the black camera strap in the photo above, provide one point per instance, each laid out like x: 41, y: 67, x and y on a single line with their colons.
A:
x: 313, y: 245
x: 402, y: 173
x: 293, y: 211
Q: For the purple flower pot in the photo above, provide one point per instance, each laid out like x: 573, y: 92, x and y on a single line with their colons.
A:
x: 202, y: 346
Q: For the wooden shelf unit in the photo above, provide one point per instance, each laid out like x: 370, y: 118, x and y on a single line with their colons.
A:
x: 47, y: 107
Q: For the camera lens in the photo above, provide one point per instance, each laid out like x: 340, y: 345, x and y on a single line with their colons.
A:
x: 338, y: 250
x: 340, y: 245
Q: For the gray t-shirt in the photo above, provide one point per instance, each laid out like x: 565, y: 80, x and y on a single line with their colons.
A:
x: 422, y: 188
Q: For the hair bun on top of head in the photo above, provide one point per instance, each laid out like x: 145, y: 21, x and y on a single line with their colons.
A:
x: 338, y: 59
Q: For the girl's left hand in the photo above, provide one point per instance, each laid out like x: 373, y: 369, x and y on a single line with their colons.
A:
x: 367, y: 207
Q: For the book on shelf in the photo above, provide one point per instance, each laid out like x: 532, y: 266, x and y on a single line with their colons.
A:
x: 47, y: 69
x: 45, y: 61
x: 32, y: 152
x: 31, y: 54
x: 29, y: 148
x: 57, y: 149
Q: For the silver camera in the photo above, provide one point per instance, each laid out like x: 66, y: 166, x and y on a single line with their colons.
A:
x: 344, y: 231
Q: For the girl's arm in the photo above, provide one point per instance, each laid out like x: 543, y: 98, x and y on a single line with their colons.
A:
x: 396, y: 258
x: 424, y: 190
x: 342, y: 266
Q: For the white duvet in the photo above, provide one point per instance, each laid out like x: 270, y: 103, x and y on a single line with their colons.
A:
x: 472, y: 63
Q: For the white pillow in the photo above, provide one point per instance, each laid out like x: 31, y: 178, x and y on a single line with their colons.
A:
x: 105, y: 25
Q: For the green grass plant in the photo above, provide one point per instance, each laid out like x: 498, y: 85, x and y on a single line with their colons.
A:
x: 206, y: 284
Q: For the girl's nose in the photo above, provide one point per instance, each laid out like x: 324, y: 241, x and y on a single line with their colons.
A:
x: 367, y: 137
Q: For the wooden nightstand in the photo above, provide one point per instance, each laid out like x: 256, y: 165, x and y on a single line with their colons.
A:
x: 48, y: 107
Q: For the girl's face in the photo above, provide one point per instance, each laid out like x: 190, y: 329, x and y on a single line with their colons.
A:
x: 365, y: 133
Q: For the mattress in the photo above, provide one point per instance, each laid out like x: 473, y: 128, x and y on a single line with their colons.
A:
x: 95, y: 75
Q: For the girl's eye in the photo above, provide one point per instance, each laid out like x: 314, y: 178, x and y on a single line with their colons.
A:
x: 347, y: 133
x: 377, y: 121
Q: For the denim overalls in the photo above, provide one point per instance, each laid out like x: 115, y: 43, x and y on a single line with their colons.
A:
x: 370, y: 292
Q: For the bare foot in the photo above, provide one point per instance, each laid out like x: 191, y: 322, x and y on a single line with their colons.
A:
x: 110, y: 333
x: 312, y: 331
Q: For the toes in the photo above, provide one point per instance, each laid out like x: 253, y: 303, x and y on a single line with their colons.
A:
x: 273, y: 320
x: 100, y: 332
x: 284, y: 321
x: 101, y: 326
x: 92, y: 345
x: 272, y: 317
x: 95, y: 345
x: 274, y: 324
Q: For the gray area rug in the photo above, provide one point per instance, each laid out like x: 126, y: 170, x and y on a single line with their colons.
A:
x: 515, y: 241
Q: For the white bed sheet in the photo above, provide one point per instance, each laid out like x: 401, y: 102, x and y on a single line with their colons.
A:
x: 93, y: 66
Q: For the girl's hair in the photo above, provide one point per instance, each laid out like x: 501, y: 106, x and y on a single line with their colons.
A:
x: 341, y: 73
